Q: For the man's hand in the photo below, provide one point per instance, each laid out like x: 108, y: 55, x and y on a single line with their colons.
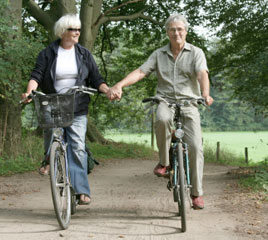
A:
x: 209, y: 100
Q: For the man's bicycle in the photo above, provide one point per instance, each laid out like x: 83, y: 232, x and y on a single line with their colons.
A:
x: 56, y: 111
x: 179, y: 172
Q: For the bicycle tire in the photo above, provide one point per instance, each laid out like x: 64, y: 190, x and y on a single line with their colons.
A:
x: 181, y: 181
x: 60, y: 188
x: 73, y: 203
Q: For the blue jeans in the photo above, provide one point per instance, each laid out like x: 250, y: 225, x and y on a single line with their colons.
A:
x: 77, y: 156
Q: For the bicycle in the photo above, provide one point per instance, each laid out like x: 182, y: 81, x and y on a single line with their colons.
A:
x: 56, y: 111
x: 179, y: 172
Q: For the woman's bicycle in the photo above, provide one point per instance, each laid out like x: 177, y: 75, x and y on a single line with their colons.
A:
x: 179, y: 172
x: 56, y: 111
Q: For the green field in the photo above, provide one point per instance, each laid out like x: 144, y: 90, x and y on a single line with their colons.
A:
x: 236, y: 142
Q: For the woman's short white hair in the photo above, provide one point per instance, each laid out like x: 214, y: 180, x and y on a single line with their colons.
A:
x: 176, y: 18
x: 65, y: 22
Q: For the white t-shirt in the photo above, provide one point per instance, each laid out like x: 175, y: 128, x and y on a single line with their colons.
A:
x: 66, y: 70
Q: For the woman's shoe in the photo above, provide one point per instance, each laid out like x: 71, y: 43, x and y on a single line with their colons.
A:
x: 84, y: 200
x: 44, y: 169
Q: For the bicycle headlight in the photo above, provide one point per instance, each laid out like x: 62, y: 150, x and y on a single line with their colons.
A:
x: 179, y: 133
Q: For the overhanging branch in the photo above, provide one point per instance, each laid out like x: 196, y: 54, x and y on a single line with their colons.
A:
x: 121, y: 5
x: 150, y: 19
x: 41, y: 16
x: 104, y: 16
x: 140, y: 14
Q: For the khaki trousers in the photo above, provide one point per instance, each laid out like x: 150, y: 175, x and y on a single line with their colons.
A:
x: 192, y: 136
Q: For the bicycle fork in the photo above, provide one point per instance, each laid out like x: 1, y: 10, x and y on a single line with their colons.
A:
x: 173, y: 174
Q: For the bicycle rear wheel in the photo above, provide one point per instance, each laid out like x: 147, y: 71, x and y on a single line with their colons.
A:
x: 60, y: 188
x: 182, y: 187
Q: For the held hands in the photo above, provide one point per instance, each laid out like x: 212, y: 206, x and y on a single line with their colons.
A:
x: 115, y: 92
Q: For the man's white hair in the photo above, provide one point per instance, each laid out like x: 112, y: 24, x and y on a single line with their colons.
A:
x: 176, y: 18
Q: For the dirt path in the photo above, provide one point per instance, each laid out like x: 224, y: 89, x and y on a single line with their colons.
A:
x: 128, y: 203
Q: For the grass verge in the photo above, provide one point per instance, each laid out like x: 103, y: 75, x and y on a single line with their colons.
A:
x: 253, y: 176
x: 32, y: 155
x: 121, y: 150
x: 29, y: 159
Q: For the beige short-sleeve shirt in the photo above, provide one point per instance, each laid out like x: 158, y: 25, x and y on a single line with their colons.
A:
x: 177, y: 78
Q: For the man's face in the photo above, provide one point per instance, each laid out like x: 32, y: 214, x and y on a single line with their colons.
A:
x: 177, y: 33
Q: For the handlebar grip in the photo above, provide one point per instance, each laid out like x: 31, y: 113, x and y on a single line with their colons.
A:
x: 145, y: 100
x: 93, y: 90
x: 201, y: 101
x: 151, y: 99
x: 30, y: 96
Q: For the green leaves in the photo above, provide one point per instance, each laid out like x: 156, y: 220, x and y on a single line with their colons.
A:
x: 17, y: 56
x: 241, y: 27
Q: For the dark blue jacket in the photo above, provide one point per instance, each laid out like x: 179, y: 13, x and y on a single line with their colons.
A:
x: 44, y: 73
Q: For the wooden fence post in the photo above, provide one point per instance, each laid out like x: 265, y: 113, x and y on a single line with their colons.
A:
x: 218, y: 152
x: 246, y: 155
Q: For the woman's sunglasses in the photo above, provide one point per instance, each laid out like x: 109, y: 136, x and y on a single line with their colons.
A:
x: 74, y: 29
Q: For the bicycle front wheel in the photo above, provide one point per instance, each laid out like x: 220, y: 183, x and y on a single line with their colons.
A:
x: 60, y: 188
x: 182, y: 187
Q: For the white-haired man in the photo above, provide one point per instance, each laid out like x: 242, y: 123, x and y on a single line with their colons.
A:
x: 182, y: 72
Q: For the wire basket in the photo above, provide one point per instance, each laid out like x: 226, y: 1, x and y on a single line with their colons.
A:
x: 54, y: 110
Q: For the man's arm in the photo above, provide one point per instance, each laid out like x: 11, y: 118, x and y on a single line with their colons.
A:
x: 130, y: 79
x: 203, y: 80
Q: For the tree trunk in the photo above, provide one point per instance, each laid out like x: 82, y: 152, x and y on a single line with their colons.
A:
x: 10, y: 129
x: 90, y: 12
x: 93, y: 133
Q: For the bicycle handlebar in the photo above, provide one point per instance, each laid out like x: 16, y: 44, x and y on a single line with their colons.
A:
x: 74, y: 89
x: 183, y: 101
x: 151, y: 99
x: 83, y: 89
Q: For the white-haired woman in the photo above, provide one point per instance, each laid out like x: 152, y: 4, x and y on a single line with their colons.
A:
x: 64, y: 64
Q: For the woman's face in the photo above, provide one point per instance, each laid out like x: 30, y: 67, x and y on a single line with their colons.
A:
x: 71, y: 35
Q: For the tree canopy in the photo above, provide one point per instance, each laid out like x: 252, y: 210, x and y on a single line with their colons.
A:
x: 240, y: 57
x: 123, y: 33
x: 233, y: 31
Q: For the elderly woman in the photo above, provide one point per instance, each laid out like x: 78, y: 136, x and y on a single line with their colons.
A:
x: 64, y: 64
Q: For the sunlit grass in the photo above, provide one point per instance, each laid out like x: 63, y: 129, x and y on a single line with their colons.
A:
x: 232, y: 142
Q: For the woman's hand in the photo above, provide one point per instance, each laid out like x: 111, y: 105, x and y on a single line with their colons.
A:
x: 24, y: 97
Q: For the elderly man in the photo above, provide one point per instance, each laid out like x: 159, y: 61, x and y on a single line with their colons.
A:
x: 182, y: 72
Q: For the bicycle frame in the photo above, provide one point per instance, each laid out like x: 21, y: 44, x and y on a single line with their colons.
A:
x: 179, y: 133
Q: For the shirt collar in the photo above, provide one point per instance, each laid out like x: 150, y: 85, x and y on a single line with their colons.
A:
x: 168, y: 50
